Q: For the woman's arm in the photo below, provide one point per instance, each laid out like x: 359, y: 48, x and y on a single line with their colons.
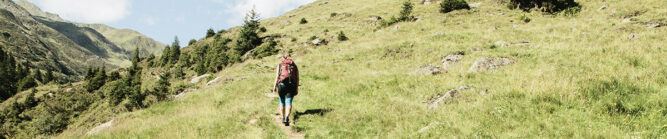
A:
x: 277, y: 76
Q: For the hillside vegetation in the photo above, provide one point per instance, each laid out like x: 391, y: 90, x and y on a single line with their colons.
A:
x: 490, y: 71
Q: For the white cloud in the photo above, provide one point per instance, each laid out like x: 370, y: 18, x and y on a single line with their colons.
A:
x: 89, y: 11
x: 266, y: 8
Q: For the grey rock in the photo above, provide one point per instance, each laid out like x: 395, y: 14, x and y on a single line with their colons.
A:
x: 429, y: 126
x: 655, y: 25
x: 450, y: 60
x: 633, y: 36
x: 196, y: 79
x: 627, y: 20
x: 489, y: 64
x: 444, y: 97
x: 475, y: 5
x: 100, y: 127
x: 428, y: 70
x: 602, y: 7
x: 500, y: 43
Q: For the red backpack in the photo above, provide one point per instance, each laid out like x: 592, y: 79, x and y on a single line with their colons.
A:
x: 289, y: 71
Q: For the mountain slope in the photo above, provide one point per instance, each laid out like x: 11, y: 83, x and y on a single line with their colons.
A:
x: 126, y: 39
x: 46, y: 42
x: 573, y: 77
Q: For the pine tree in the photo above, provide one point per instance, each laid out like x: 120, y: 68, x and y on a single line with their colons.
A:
x: 97, y: 81
x: 115, y: 75
x: 178, y: 73
x: 248, y: 37
x: 209, y: 33
x: 10, y: 77
x: 26, y: 83
x: 89, y: 73
x: 175, y: 51
x: 38, y: 75
x: 48, y: 77
x: 406, y: 13
x: 30, y: 100
x: 164, y: 59
x: 162, y: 89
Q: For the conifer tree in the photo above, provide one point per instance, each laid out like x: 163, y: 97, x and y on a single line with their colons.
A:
x: 209, y: 33
x: 164, y: 59
x: 162, y: 89
x: 248, y: 37
x: 48, y: 77
x: 175, y: 51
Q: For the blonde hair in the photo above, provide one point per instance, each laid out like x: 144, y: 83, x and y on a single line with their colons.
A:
x: 286, y: 55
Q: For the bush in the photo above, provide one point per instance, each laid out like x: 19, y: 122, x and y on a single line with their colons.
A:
x: 405, y: 15
x: 572, y: 11
x: 266, y: 49
x: 452, y: 5
x: 334, y: 14
x: 303, y: 21
x: 341, y: 36
x: 524, y: 18
x: 191, y: 42
x: 210, y: 33
x: 550, y: 6
x: 312, y: 38
x: 406, y: 12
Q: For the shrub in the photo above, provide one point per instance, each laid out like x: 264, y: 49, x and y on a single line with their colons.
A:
x: 341, y: 36
x: 550, y: 6
x: 406, y: 12
x: 524, y: 18
x: 334, y: 14
x: 451, y: 5
x: 193, y: 41
x: 572, y: 11
x: 303, y: 21
x: 210, y: 33
x: 312, y: 38
x: 262, y: 29
x: 266, y: 49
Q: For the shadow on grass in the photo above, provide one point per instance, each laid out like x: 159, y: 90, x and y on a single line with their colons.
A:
x: 320, y: 112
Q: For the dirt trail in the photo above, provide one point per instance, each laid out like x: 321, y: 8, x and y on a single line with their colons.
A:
x: 291, y: 134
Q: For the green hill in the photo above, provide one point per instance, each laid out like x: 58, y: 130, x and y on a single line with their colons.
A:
x: 50, y: 43
x: 486, y: 72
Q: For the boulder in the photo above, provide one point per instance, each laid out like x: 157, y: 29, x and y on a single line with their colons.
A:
x: 429, y: 126
x: 489, y: 64
x: 633, y: 36
x: 500, y: 43
x: 428, y: 70
x: 196, y: 79
x: 100, y: 127
x: 655, y: 25
x: 434, y: 101
x: 626, y: 20
x: 450, y: 60
x: 602, y: 7
x: 426, y: 2
x: 475, y: 5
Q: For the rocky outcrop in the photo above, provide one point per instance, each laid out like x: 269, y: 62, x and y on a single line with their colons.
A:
x: 428, y: 70
x: 196, y: 79
x: 444, y: 97
x: 489, y: 64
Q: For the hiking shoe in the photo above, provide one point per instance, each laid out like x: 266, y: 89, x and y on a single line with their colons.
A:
x: 286, y: 121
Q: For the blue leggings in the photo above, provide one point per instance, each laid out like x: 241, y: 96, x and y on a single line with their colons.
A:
x: 285, y: 101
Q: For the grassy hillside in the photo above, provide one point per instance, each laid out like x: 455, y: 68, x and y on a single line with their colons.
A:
x: 574, y: 76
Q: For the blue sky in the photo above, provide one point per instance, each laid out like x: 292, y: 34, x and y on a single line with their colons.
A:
x: 164, y: 19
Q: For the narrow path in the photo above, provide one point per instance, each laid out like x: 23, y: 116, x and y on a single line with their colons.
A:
x: 291, y: 134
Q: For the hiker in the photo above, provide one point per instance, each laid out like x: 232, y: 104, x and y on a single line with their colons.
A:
x: 287, y: 85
